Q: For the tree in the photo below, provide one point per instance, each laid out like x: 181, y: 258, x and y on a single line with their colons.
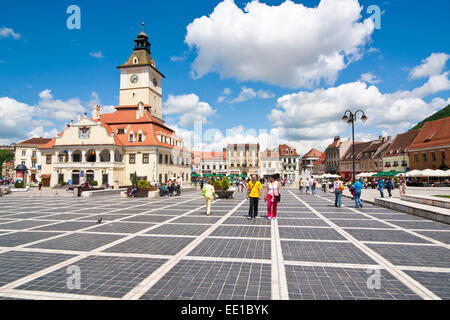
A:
x: 5, y: 156
x: 134, y: 179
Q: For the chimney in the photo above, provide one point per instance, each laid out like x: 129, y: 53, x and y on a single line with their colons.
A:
x: 96, y: 112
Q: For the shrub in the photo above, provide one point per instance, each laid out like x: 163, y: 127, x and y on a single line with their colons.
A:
x: 224, y: 184
x: 94, y: 183
x: 18, y: 184
x: 62, y: 183
x: 216, y: 184
x: 142, y: 184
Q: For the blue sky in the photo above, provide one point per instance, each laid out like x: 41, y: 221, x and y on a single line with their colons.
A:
x: 291, y: 78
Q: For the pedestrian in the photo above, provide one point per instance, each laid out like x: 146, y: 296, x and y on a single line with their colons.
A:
x: 40, y: 186
x: 389, y: 186
x: 381, y: 186
x: 254, y: 194
x: 133, y: 191
x: 313, y: 185
x: 201, y: 184
x: 357, y: 187
x: 402, y: 184
x: 272, y: 196
x: 307, y: 183
x: 338, y: 188
x: 209, y: 194
x: 301, y: 185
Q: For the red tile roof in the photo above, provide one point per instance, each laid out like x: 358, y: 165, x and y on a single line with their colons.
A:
x: 36, y: 141
x: 284, y: 150
x: 401, y: 143
x: 313, y: 153
x: 433, y: 134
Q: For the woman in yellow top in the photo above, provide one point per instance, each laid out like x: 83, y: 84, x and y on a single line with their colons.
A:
x: 254, y: 193
x: 209, y: 194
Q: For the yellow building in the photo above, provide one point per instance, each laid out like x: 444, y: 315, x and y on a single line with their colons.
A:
x: 109, y: 148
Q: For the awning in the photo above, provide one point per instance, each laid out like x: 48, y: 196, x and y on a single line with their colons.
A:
x: 46, y: 176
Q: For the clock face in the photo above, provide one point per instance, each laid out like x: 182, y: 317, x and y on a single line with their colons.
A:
x: 134, y: 78
x: 155, y: 82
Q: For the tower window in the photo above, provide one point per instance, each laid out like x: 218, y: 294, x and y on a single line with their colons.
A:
x: 135, y: 60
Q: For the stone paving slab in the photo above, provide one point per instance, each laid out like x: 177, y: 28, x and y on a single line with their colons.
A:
x: 167, y: 248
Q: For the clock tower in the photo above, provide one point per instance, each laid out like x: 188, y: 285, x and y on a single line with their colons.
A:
x: 140, y: 81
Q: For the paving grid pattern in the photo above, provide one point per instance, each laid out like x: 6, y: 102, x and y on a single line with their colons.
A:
x: 169, y: 249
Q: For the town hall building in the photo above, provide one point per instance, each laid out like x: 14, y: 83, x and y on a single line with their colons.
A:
x: 109, y: 148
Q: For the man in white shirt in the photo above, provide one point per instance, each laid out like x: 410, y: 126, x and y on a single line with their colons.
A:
x: 337, y: 186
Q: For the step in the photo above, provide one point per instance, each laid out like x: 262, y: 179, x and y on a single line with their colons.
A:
x: 416, y: 209
x: 428, y: 200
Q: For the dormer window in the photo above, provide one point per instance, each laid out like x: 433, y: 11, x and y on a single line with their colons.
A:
x: 120, y: 131
x: 131, y: 137
x: 140, y: 138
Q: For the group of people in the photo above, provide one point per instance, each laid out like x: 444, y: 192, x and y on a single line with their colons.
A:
x: 171, y: 188
x: 307, y: 184
x: 272, y: 196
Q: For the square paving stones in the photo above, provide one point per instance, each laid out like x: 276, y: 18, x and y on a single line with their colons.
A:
x: 152, y: 245
x: 336, y: 252
x: 233, y: 248
x: 414, y: 255
x: 180, y: 229
x: 20, y: 238
x: 100, y: 276
x: 121, y: 227
x: 242, y: 231
x: 78, y: 242
x: 385, y: 236
x: 205, y: 280
x: 16, y: 264
x: 328, y: 283
x: 309, y: 233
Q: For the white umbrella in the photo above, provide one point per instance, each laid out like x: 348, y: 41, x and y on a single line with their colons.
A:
x: 429, y: 173
x: 414, y: 173
x: 441, y: 173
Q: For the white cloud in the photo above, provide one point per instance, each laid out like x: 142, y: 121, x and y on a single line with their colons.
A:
x: 15, y: 118
x: 41, y: 132
x: 431, y: 66
x: 8, y: 32
x: 288, y: 45
x: 189, y: 108
x: 249, y: 93
x: 96, y: 54
x: 60, y: 110
x: 316, y: 114
x: 369, y: 78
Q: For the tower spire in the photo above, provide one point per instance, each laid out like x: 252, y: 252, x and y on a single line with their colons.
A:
x: 142, y: 43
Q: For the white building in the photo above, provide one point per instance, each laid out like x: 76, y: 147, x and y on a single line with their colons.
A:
x: 27, y: 153
x: 289, y: 162
x: 270, y: 163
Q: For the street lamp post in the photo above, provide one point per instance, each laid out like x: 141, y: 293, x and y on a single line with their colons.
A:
x: 350, y: 119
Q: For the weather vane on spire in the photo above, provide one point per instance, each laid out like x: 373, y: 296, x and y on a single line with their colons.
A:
x: 143, y: 25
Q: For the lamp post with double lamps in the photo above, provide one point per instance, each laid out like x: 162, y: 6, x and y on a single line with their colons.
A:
x: 350, y: 119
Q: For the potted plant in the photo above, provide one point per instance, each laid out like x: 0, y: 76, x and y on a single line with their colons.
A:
x: 223, y: 186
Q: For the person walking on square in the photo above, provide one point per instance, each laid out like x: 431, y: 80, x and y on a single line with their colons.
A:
x: 254, y: 194
x: 338, y: 188
x: 209, y: 194
x: 381, y: 187
x: 357, y: 187
x: 307, y: 183
x: 301, y: 185
x: 402, y: 184
x: 389, y: 186
x: 272, y: 196
x: 313, y: 185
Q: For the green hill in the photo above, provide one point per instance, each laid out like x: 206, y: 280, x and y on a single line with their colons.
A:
x: 443, y: 113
